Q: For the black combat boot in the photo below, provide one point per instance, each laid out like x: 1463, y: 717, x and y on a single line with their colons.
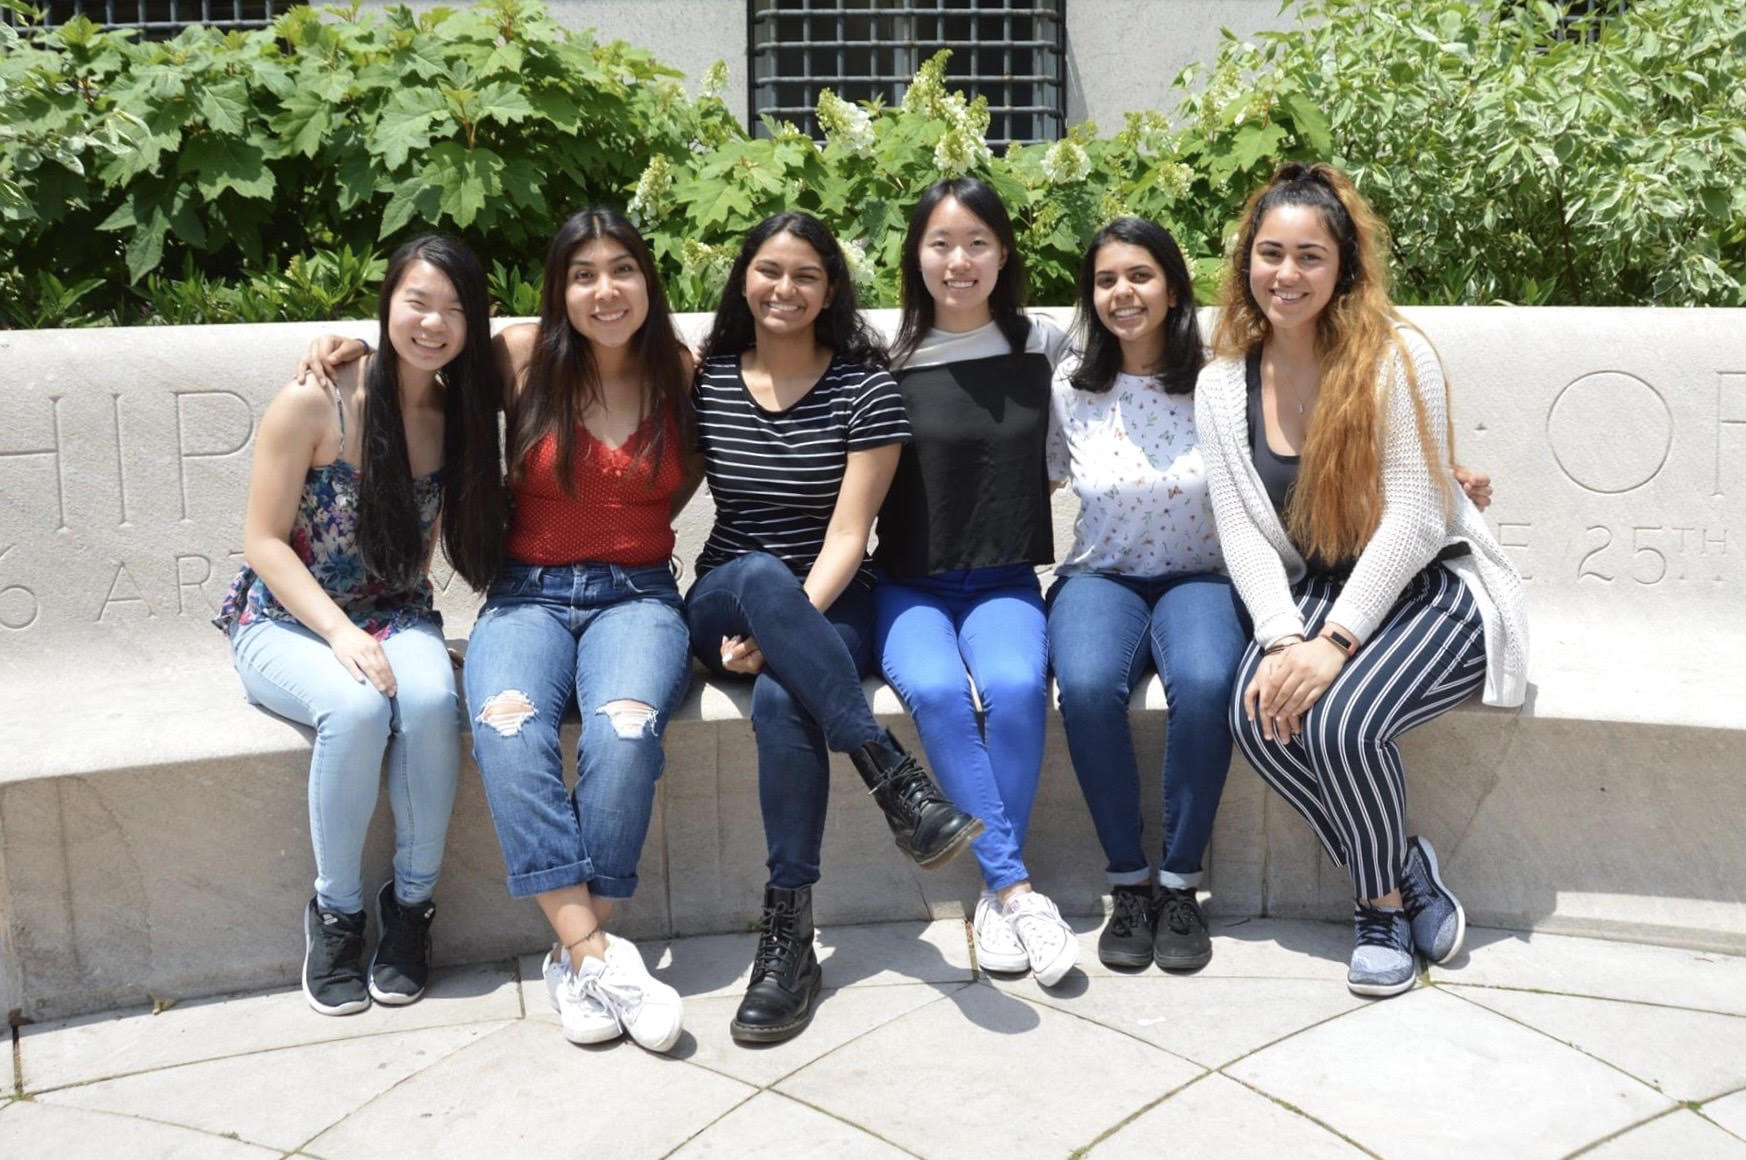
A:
x: 785, y: 973
x: 927, y: 827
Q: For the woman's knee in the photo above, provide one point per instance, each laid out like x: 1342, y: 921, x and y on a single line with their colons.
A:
x: 354, y: 710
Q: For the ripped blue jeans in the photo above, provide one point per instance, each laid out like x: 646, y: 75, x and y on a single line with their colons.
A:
x: 613, y: 641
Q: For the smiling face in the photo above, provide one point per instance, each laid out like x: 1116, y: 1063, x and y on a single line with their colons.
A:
x: 786, y: 286
x: 606, y: 295
x: 426, y: 324
x: 960, y: 262
x: 1294, y: 265
x: 1132, y: 299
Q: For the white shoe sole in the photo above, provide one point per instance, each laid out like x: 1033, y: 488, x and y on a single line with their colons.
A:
x: 1381, y: 990
x: 392, y: 998
x: 588, y: 1036
x: 1430, y: 857
x: 667, y: 1041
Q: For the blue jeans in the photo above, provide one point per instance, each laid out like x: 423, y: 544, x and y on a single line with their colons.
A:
x: 934, y: 637
x: 1104, y: 632
x: 290, y: 670
x: 612, y: 639
x: 807, y: 702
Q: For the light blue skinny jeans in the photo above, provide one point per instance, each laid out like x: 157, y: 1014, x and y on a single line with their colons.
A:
x: 291, y: 671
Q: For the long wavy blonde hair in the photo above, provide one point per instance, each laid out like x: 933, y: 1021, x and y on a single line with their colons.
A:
x: 1337, y: 502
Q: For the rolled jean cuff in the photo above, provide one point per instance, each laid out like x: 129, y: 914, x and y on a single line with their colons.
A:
x: 1180, y: 881
x: 607, y: 886
x: 555, y: 878
x: 1140, y: 877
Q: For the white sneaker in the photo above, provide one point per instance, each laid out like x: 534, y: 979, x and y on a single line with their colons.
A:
x: 647, y: 1008
x: 1048, y: 941
x: 584, y: 1018
x: 997, y: 944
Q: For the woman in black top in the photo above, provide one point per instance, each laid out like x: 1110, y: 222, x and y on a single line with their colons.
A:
x: 960, y: 534
x: 800, y: 428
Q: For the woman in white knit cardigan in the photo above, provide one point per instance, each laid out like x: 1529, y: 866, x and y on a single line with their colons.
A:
x: 1379, y: 598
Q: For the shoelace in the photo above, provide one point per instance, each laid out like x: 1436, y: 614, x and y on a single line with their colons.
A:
x: 622, y: 994
x: 1376, y: 928
x: 1180, y: 913
x: 1024, y: 912
x: 1130, y: 913
x: 341, y: 943
x: 910, y: 786
x: 778, y: 943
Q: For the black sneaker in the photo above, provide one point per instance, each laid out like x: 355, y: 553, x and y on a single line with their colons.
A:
x: 401, y: 967
x: 1126, y: 940
x: 1182, y: 942
x: 333, y: 961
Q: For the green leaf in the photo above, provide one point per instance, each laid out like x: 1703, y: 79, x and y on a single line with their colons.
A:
x: 225, y: 107
x: 1311, y: 124
x: 300, y: 126
x: 219, y: 163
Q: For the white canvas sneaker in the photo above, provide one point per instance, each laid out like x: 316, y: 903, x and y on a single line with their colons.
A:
x: 648, y: 1009
x: 581, y: 1013
x: 997, y: 943
x: 1047, y: 939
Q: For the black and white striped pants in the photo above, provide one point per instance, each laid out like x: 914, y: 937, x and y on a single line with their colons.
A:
x: 1343, y: 771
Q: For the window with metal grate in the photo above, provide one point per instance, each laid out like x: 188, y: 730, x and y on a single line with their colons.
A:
x: 161, y: 19
x: 1009, y: 53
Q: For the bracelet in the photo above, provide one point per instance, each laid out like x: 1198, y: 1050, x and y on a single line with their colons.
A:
x: 1340, y: 641
x: 1280, y: 646
x: 368, y: 349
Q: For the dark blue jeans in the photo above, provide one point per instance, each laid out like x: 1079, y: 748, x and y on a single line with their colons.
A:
x: 806, y: 704
x: 1104, y: 632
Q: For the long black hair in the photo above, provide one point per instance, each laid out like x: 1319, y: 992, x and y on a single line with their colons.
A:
x: 1006, y: 302
x: 474, y: 512
x: 1184, y: 352
x: 562, y: 377
x: 839, y: 326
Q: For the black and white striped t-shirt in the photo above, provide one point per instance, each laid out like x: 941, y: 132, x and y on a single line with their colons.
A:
x: 774, y: 475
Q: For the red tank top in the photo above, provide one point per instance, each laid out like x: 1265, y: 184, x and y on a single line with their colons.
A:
x: 619, y: 515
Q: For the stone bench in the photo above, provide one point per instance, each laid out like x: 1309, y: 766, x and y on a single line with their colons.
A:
x: 153, y: 826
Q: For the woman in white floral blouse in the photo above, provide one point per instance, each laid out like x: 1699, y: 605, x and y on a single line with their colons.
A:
x: 1143, y: 585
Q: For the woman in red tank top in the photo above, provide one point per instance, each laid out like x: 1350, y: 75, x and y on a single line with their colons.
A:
x: 586, y: 611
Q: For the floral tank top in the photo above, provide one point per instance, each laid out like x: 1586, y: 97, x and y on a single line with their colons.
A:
x: 324, y: 535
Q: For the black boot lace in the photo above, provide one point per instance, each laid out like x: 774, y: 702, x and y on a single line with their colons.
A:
x: 779, y: 950
x: 909, y: 789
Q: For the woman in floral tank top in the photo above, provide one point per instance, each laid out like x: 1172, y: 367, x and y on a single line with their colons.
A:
x: 331, y: 622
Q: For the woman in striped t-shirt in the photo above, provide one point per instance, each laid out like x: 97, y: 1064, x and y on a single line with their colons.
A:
x: 800, y: 427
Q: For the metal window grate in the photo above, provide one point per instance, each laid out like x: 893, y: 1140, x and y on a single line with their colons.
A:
x: 160, y: 19
x: 1009, y: 53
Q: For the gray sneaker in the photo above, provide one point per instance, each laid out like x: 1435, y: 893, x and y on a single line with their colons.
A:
x: 1382, y: 952
x: 1439, y: 924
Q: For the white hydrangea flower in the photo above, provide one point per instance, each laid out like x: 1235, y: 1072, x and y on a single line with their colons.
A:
x: 960, y: 151
x: 1066, y: 163
x: 650, y: 198
x: 861, y: 271
x: 845, y: 124
x: 714, y: 82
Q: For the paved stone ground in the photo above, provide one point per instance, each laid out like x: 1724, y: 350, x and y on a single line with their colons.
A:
x: 1529, y: 1046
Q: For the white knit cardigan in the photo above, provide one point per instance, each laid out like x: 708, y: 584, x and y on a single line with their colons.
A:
x: 1264, y: 563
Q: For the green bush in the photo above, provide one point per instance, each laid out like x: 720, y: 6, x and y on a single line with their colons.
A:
x: 231, y: 155
x: 1519, y: 155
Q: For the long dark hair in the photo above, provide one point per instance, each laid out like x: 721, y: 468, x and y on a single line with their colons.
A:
x: 562, y: 378
x: 474, y: 512
x: 839, y: 326
x: 1184, y: 353
x: 1006, y: 302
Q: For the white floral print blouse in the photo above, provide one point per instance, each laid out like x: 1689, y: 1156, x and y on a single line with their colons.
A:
x: 1132, y: 457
